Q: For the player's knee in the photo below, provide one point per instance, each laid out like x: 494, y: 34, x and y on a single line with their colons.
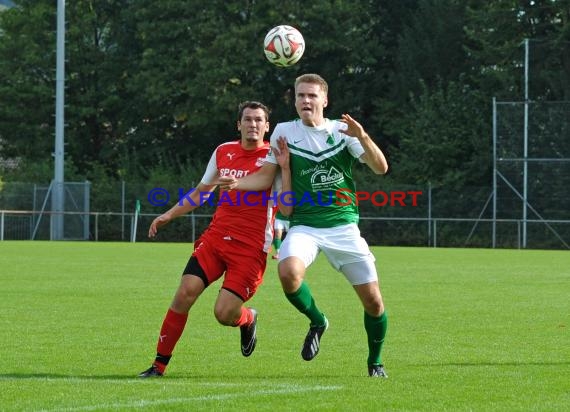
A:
x: 185, y: 297
x: 225, y: 316
x: 374, y: 307
x: 291, y: 268
x: 290, y: 277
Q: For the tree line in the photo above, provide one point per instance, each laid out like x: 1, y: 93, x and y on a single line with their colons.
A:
x: 152, y: 86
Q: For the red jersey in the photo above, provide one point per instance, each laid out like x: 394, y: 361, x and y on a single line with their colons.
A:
x: 241, y: 215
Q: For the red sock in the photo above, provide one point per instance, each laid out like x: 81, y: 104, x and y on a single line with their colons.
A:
x: 245, y: 318
x: 172, y: 328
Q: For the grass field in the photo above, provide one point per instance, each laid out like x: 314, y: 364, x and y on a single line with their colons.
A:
x: 469, y: 330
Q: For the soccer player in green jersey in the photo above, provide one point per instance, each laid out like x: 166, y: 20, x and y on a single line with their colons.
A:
x: 321, y: 155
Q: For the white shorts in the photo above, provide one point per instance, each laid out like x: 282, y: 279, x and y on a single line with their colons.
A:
x: 341, y: 245
x: 281, y: 224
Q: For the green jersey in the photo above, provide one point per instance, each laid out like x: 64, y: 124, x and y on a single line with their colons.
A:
x: 321, y: 160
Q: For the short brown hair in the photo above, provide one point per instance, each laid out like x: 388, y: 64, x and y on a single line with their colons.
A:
x: 314, y: 79
x: 250, y: 104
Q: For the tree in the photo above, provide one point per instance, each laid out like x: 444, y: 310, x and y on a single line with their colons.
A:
x: 27, y: 83
x: 496, y: 31
x: 101, y: 54
x: 153, y: 86
x: 446, y: 139
x: 430, y: 48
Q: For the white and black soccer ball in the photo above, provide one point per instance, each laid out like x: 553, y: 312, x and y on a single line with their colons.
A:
x: 284, y: 45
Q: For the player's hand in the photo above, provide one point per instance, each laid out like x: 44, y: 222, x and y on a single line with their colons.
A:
x: 227, y: 182
x: 282, y: 153
x: 353, y: 128
x: 158, y: 222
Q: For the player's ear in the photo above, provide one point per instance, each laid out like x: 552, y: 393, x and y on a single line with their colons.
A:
x: 326, y: 102
x: 239, y: 126
x: 266, y: 126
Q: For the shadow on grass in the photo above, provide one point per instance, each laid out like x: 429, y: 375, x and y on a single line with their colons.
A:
x: 59, y: 376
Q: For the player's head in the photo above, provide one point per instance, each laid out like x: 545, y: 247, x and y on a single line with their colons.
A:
x: 251, y: 104
x: 313, y: 78
x: 311, y: 92
x: 253, y: 123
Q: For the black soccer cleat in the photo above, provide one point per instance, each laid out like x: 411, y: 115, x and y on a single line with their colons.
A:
x: 313, y: 341
x: 377, y: 371
x: 249, y: 335
x: 151, y: 372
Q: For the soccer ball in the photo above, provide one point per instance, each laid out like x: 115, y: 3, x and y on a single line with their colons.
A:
x: 284, y: 45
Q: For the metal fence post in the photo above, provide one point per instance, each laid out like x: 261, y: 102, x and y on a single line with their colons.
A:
x: 122, y: 210
x: 435, y: 233
x: 429, y: 214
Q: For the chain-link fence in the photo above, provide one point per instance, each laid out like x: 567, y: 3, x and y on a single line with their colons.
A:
x: 26, y: 211
x: 531, y: 150
x: 390, y: 215
x: 532, y: 170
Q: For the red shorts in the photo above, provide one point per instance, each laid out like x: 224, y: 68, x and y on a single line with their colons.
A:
x: 243, y: 265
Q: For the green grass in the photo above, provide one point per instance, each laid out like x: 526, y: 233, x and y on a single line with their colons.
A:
x: 469, y: 330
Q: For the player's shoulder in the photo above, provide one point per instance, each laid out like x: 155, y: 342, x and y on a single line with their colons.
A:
x: 334, y: 125
x: 236, y: 147
x: 233, y: 145
x: 286, y: 129
x: 291, y: 124
x: 264, y: 147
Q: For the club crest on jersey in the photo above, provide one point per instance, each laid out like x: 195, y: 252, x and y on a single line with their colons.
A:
x: 324, y: 179
x: 260, y: 161
x: 230, y: 155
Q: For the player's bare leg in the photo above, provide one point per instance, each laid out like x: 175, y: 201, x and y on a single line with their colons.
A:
x: 229, y: 311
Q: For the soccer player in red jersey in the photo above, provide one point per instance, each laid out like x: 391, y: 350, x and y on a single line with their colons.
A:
x: 234, y: 245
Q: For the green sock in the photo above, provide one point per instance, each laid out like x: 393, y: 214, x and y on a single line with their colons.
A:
x: 277, y: 244
x: 376, y: 330
x: 303, y: 300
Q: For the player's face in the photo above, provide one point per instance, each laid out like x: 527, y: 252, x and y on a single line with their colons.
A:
x: 253, y: 126
x: 310, y: 102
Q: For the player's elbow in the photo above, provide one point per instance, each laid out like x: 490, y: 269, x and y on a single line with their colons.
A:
x: 382, y: 170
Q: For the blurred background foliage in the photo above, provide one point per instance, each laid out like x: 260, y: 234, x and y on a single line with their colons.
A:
x: 152, y: 86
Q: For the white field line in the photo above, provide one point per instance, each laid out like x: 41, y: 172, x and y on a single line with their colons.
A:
x: 155, y: 402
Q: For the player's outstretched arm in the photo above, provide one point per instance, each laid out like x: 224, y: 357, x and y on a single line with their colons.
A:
x: 186, y: 204
x: 260, y: 180
x: 373, y: 156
